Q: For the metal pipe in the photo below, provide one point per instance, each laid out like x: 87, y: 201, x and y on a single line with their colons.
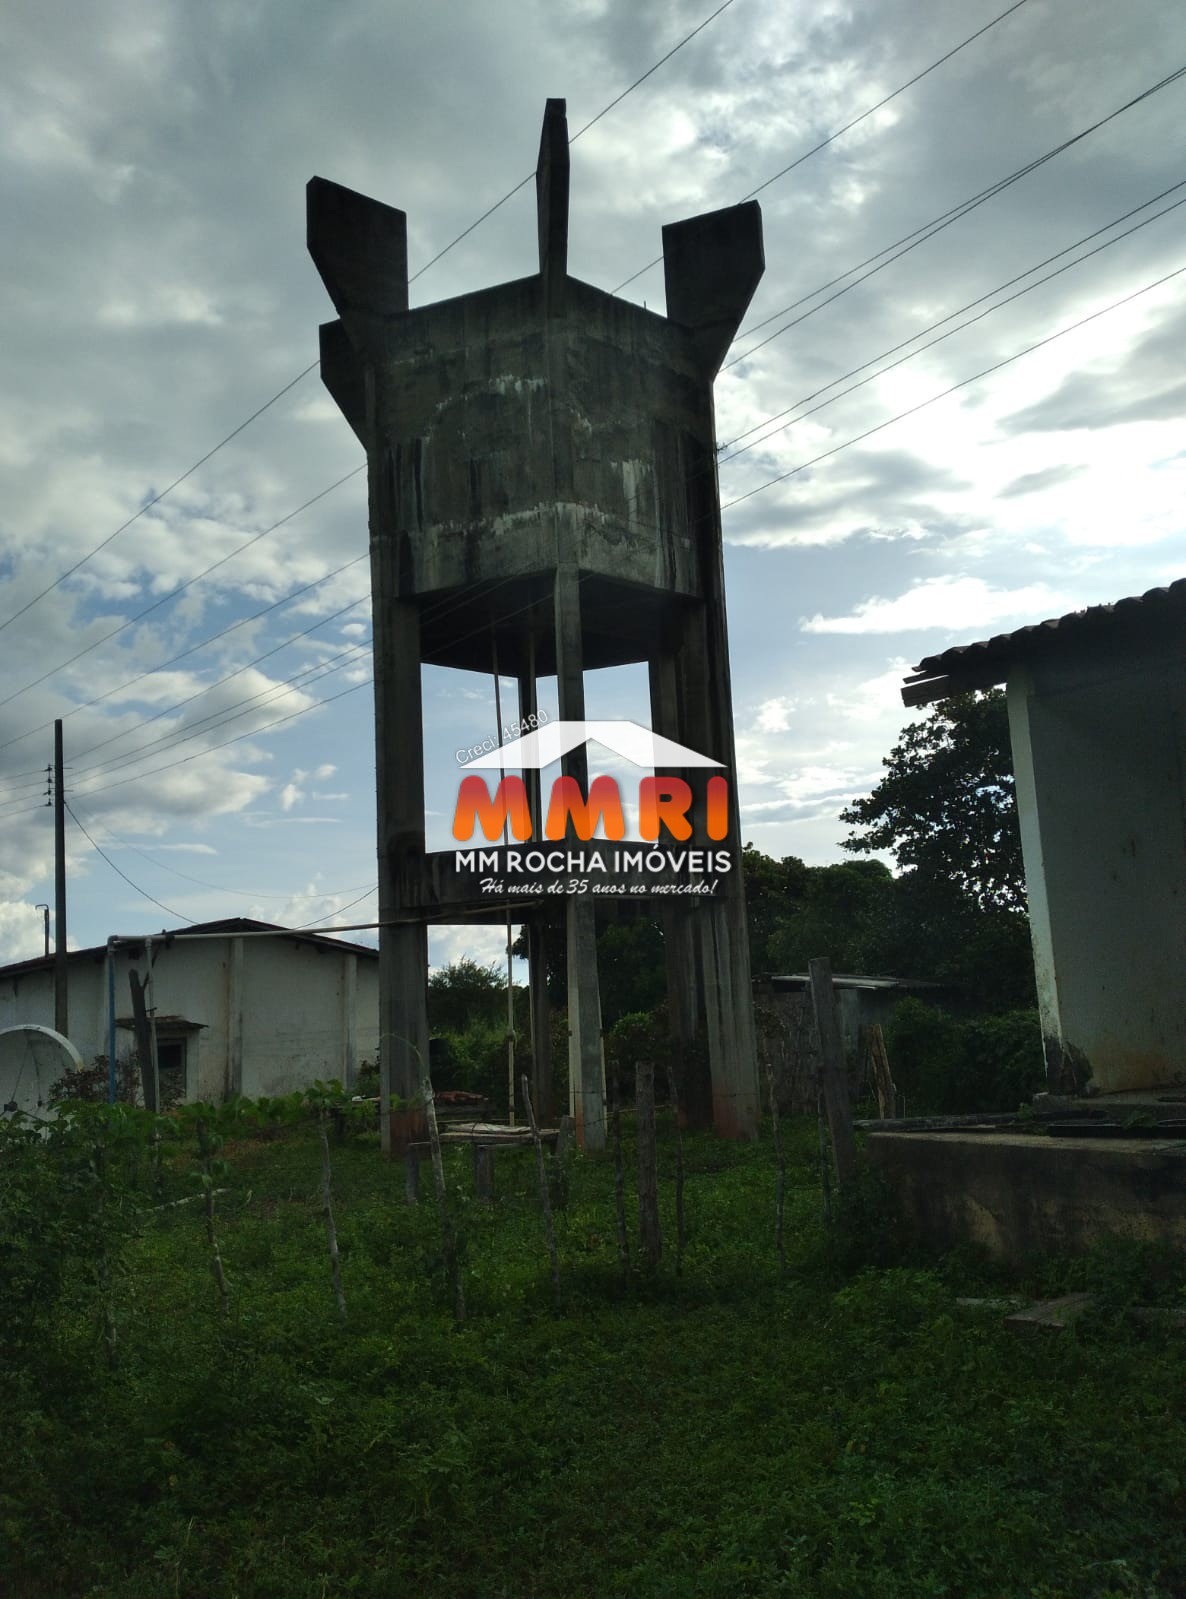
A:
x: 45, y: 909
x: 151, y: 987
x: 61, y: 962
x: 111, y: 943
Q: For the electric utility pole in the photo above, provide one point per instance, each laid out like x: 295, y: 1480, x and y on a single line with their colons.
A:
x: 61, y: 1012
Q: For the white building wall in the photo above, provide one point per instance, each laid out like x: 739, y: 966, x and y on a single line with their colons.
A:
x: 367, y: 1009
x: 295, y: 1024
x: 1098, y: 754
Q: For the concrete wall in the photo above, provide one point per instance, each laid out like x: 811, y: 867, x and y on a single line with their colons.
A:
x: 1097, y: 748
x: 295, y: 1024
x: 855, y: 1008
x: 276, y: 1013
x: 1016, y: 1194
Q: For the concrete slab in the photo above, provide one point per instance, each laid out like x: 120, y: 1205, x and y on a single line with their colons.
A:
x: 1049, y: 1315
x: 1018, y: 1194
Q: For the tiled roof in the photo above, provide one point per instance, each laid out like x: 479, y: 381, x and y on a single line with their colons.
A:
x: 981, y: 665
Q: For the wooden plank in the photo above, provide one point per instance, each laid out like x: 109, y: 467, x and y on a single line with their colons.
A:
x: 833, y: 1076
x: 149, y: 1081
x: 1050, y: 1315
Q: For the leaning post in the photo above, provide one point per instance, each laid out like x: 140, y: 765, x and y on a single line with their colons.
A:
x: 834, y: 1078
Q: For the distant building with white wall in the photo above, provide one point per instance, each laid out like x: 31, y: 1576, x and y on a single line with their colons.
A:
x: 1097, y: 722
x: 243, y: 1007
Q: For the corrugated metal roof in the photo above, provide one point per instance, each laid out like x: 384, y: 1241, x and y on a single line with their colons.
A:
x: 229, y: 925
x: 987, y: 662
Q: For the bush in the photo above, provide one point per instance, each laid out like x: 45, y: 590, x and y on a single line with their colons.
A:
x: 943, y: 1066
x: 89, y: 1084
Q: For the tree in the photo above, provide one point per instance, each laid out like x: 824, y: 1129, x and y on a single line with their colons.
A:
x: 841, y: 912
x: 772, y: 889
x: 946, y: 807
x: 464, y: 993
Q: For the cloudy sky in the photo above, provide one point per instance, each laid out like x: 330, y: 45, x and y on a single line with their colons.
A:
x: 157, y: 292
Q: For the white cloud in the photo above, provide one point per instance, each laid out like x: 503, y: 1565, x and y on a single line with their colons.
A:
x: 153, y: 158
x: 774, y: 716
x: 951, y: 603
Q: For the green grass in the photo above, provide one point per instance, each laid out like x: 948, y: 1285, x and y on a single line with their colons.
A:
x: 843, y: 1431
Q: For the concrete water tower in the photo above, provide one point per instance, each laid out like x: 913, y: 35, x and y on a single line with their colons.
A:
x: 543, y: 501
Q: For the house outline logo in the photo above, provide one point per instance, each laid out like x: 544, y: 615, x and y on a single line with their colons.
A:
x: 639, y: 745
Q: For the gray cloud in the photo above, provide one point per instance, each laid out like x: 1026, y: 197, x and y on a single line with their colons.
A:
x: 157, y: 290
x: 1033, y: 482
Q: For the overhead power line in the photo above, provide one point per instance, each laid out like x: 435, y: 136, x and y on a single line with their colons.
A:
x: 954, y: 388
x: 157, y: 498
x: 144, y: 894
x: 192, y: 649
x: 928, y: 230
x: 209, y: 688
x: 313, y: 365
x: 605, y: 110
x: 959, y: 328
x: 292, y: 716
x: 218, y: 888
x: 737, y: 500
x: 174, y: 737
x: 848, y: 126
x: 873, y: 109
x: 253, y: 732
x: 722, y: 459
x: 181, y: 917
x: 433, y: 613
x: 180, y: 589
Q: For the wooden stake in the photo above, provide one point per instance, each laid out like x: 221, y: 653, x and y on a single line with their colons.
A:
x: 615, y: 1129
x: 681, y: 1235
x: 327, y: 1210
x: 648, y: 1165
x: 883, y: 1082
x: 412, y: 1174
x: 833, y: 1077
x: 484, y: 1172
x: 544, y: 1198
x: 448, y: 1242
x: 148, y: 1066
x: 780, y: 1191
x: 224, y: 1297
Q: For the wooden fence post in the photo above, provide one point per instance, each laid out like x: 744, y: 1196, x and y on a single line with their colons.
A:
x: 615, y: 1128
x: 448, y: 1237
x: 149, y: 1081
x: 648, y: 1165
x: 883, y: 1082
x: 544, y: 1199
x: 484, y: 1172
x: 833, y: 1076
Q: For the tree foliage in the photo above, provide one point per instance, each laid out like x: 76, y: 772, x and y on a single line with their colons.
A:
x: 946, y: 810
x: 946, y: 807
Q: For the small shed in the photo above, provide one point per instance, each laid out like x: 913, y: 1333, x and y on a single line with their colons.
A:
x: 860, y: 1001
x: 239, y: 1006
x: 1097, y: 722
